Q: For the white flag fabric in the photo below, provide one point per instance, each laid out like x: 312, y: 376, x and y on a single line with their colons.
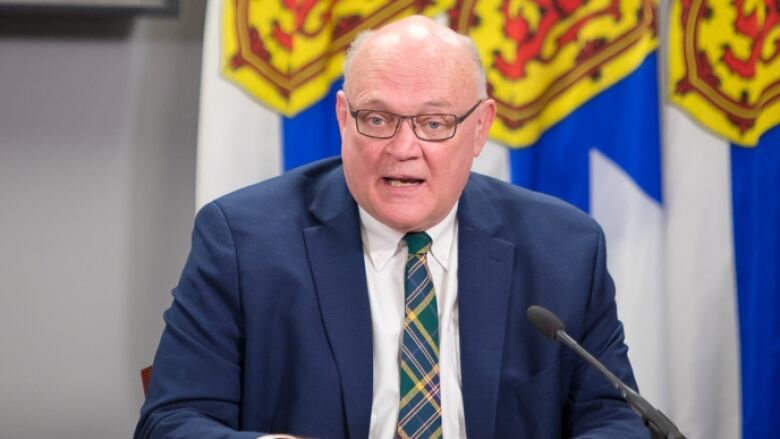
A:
x: 701, y: 316
x: 238, y: 138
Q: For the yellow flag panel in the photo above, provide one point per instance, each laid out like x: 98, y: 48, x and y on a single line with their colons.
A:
x: 724, y: 65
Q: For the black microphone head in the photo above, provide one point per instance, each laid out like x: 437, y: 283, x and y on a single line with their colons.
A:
x: 544, y: 321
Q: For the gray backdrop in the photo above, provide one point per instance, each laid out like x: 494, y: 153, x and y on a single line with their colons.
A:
x: 98, y: 124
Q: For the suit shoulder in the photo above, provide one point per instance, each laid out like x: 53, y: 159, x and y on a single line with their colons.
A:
x: 287, y: 187
x: 278, y: 198
x: 518, y: 205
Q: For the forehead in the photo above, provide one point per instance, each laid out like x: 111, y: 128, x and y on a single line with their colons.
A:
x: 422, y: 72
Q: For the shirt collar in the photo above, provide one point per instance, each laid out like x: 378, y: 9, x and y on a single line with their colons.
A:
x: 381, y: 242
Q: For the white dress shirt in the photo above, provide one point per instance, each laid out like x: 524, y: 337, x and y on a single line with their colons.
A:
x: 385, y: 251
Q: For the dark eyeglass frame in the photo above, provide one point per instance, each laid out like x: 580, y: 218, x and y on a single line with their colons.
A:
x: 400, y: 118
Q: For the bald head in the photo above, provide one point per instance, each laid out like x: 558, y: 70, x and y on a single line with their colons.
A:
x: 422, y: 37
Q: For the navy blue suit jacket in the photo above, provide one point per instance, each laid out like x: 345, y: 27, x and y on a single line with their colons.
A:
x: 270, y: 327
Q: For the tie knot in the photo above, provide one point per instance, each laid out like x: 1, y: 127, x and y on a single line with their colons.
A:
x: 418, y: 242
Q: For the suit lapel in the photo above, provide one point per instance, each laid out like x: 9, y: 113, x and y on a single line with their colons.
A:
x: 484, y: 280
x: 336, y: 258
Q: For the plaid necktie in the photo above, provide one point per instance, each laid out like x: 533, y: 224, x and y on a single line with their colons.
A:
x: 420, y: 409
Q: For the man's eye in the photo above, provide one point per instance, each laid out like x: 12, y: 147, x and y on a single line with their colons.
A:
x: 375, y: 119
x: 432, y: 123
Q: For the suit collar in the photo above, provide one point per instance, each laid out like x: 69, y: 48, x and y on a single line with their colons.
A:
x: 331, y: 197
x: 476, y: 210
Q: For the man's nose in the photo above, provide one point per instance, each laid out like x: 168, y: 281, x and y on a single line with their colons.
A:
x: 405, y: 144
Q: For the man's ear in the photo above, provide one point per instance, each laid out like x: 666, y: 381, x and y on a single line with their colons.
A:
x: 485, y: 117
x: 342, y: 110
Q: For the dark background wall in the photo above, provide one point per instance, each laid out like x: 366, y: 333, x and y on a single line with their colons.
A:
x: 98, y: 124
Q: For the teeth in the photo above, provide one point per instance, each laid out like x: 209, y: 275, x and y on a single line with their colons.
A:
x: 401, y: 182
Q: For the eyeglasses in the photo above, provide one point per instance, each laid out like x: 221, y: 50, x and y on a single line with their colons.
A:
x: 431, y: 127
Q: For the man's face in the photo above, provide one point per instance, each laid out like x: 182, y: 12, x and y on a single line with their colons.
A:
x: 407, y: 183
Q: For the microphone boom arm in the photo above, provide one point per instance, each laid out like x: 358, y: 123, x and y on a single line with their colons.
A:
x: 659, y: 425
x: 549, y: 325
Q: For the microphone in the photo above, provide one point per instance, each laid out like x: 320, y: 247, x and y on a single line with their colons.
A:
x: 547, y: 323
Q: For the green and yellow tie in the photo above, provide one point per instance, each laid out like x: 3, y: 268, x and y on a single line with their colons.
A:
x: 420, y: 409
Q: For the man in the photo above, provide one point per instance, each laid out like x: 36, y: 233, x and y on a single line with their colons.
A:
x: 384, y: 294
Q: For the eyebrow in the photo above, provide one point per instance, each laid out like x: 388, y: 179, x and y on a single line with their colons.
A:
x: 434, y: 104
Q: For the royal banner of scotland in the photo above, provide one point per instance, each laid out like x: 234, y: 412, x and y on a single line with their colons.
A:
x: 725, y: 65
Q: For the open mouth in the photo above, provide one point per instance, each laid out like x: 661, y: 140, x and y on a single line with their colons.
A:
x: 402, y: 182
